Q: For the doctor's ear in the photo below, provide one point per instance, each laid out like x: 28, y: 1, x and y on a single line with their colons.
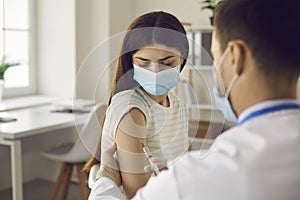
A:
x: 237, y: 49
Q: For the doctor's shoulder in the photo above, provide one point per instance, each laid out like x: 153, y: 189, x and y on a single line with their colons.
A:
x: 236, y: 147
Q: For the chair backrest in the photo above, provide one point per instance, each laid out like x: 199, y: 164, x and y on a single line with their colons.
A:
x: 88, y: 137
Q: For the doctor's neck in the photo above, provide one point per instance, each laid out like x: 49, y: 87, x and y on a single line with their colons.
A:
x: 254, y: 87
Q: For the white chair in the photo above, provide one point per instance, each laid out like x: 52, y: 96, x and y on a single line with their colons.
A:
x: 76, y: 154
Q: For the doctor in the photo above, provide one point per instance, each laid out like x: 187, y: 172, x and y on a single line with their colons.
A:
x: 256, y: 48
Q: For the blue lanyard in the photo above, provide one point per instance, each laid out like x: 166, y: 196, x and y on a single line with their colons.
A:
x: 264, y: 111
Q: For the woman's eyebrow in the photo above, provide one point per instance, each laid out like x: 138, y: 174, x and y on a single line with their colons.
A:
x: 162, y: 59
x: 166, y: 58
x: 143, y: 59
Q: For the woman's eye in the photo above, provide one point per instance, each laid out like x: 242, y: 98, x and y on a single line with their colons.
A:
x: 144, y: 65
x: 162, y: 65
x: 167, y: 64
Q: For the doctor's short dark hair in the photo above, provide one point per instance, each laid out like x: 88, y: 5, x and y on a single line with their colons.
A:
x: 270, y: 28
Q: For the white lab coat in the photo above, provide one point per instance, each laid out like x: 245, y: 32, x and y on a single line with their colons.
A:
x: 258, y: 160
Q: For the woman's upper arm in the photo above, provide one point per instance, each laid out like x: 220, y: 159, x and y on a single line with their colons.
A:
x: 129, y: 134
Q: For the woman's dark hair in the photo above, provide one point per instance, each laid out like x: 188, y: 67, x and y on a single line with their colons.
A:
x: 148, y: 29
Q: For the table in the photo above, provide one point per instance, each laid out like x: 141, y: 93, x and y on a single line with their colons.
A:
x: 26, y: 102
x: 31, y: 121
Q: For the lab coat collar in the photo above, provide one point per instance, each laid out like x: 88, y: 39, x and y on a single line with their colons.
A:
x: 263, y: 105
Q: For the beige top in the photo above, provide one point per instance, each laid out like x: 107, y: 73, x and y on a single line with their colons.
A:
x: 166, y: 127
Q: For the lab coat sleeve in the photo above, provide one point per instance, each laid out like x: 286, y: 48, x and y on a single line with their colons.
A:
x: 160, y: 187
x: 163, y: 186
x: 105, y: 189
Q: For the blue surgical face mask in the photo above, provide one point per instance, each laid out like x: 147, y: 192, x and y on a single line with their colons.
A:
x: 225, y: 106
x: 222, y: 98
x: 157, y: 83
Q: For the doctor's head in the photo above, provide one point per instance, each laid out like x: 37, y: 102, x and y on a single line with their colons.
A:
x: 153, y: 42
x: 256, y: 49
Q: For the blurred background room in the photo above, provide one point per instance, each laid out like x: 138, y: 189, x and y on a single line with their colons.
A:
x: 63, y: 55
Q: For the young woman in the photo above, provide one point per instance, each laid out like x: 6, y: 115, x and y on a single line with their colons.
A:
x: 142, y: 109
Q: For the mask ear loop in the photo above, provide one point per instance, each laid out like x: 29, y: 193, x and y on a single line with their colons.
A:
x: 218, y: 70
x: 230, y: 86
x: 236, y: 76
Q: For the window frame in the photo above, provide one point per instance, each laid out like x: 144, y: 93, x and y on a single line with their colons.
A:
x: 31, y: 88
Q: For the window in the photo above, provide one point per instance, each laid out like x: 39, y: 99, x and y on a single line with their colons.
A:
x: 16, y: 46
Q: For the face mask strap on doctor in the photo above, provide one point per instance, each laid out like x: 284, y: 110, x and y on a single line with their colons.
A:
x: 157, y: 83
x: 221, y: 96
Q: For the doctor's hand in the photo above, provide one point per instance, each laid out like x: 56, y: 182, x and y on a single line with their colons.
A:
x: 109, y: 167
x: 160, y: 162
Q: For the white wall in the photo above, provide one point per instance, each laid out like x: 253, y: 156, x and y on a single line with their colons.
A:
x: 56, y: 47
x: 187, y: 11
x: 96, y: 23
x: 122, y: 13
x: 92, y: 28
